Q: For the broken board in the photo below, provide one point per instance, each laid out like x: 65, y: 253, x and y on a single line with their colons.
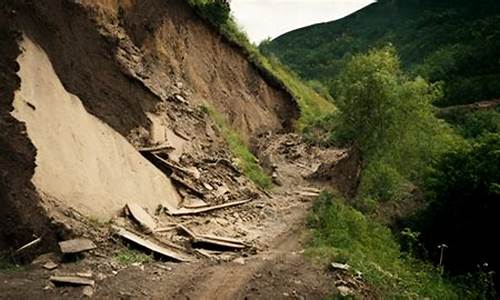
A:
x: 72, y: 280
x: 142, y: 217
x: 136, y: 239
x: 76, y: 246
x: 187, y: 211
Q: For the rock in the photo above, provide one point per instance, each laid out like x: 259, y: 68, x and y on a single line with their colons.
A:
x: 88, y: 292
x: 50, y: 265
x: 76, y: 246
x: 239, y: 260
x: 338, y: 266
x: 72, y: 280
x: 344, y: 291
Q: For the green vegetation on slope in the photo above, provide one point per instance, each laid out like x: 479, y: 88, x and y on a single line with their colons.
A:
x: 390, y: 119
x: 247, y: 161
x: 455, y: 42
x: 342, y: 234
x: 310, y: 103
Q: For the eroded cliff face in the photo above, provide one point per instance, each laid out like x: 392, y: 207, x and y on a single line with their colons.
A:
x: 87, y: 83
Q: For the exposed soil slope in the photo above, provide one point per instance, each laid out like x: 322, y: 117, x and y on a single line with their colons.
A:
x: 137, y: 78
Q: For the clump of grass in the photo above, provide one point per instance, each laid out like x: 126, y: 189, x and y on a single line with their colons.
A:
x: 343, y: 234
x: 7, y: 265
x: 247, y: 161
x: 128, y: 256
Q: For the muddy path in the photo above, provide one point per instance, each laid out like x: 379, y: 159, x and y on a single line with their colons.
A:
x: 274, y: 268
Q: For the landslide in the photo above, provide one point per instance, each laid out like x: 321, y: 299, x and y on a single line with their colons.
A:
x: 129, y: 68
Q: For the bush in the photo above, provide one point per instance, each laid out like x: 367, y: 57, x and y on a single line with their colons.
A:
x: 215, y: 11
x: 464, y: 199
x: 342, y: 234
x: 247, y: 161
x: 390, y: 118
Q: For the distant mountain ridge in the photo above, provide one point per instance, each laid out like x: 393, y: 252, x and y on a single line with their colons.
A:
x: 453, y: 41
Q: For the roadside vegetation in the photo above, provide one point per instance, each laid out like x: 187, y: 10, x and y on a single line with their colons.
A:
x: 246, y: 160
x: 129, y: 256
x: 7, y: 265
x: 342, y: 234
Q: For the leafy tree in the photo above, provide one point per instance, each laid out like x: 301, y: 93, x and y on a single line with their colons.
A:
x: 390, y: 119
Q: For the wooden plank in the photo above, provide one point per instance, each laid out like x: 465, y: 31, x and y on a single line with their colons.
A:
x: 72, y: 280
x: 76, y: 246
x: 142, y: 217
x: 158, y: 148
x: 187, y: 230
x: 194, y: 190
x: 187, y: 211
x: 223, y: 239
x: 30, y: 244
x: 129, y: 236
x: 202, y: 240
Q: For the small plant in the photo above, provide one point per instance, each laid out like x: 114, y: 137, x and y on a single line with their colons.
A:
x: 247, y: 161
x: 128, y: 256
x: 7, y: 265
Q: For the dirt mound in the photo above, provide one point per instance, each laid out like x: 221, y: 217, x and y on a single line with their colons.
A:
x: 91, y: 80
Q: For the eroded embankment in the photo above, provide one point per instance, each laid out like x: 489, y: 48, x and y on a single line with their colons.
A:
x: 94, y: 77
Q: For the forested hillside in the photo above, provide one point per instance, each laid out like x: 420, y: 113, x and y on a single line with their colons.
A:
x: 456, y: 42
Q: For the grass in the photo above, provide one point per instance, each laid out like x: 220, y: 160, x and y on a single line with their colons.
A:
x: 128, y: 256
x: 343, y: 234
x: 247, y: 161
x: 7, y: 265
x: 311, y: 104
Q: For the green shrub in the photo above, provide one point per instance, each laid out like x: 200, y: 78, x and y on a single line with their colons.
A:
x: 215, y: 11
x: 7, y: 265
x: 390, y: 118
x: 342, y: 234
x: 247, y: 161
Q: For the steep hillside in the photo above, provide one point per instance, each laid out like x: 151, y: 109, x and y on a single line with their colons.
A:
x: 453, y: 41
x: 85, y: 84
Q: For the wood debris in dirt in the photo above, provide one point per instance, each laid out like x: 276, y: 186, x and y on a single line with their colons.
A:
x: 76, y: 246
x: 191, y: 202
x: 187, y: 185
x: 30, y: 244
x: 153, y: 247
x: 72, y: 280
x: 187, y: 211
x: 212, y: 241
x: 142, y: 217
x: 156, y: 149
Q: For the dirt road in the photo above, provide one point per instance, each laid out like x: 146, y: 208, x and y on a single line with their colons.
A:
x: 274, y: 269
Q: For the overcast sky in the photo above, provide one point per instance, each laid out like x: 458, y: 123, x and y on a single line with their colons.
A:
x: 271, y: 18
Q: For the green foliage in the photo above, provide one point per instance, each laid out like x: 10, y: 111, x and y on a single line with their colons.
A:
x: 7, y: 265
x: 247, y: 161
x: 454, y: 42
x: 342, y: 234
x: 311, y: 104
x: 464, y: 195
x: 215, y: 11
x: 390, y: 118
x: 475, y: 124
x: 128, y: 256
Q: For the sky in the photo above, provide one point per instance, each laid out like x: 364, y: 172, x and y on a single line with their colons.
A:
x: 270, y: 18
